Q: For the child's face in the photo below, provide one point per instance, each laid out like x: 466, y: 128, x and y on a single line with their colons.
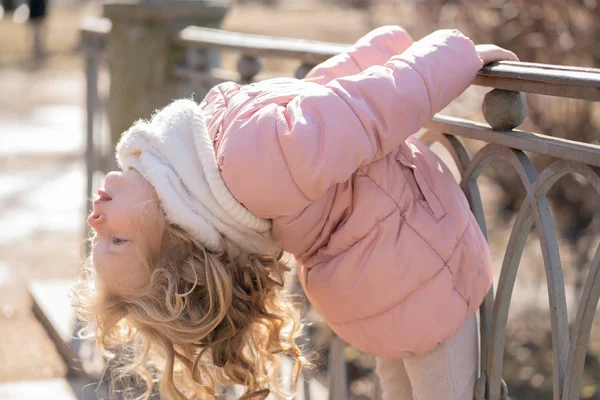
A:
x: 124, y: 216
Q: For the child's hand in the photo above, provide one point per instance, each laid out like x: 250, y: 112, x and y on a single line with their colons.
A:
x: 490, y: 53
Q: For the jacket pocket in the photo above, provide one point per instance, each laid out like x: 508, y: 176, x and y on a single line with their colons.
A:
x: 419, y: 185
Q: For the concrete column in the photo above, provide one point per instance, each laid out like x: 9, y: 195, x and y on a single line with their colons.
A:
x: 142, y: 55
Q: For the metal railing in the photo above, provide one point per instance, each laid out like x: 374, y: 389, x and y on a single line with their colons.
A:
x: 569, y: 347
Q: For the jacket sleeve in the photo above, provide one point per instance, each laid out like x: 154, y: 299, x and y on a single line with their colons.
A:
x: 375, y: 48
x: 282, y: 157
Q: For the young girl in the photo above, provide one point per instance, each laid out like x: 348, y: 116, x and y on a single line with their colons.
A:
x: 189, y: 237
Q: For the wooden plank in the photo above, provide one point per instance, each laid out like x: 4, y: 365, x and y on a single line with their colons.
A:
x: 26, y: 350
x: 51, y: 305
x: 51, y: 389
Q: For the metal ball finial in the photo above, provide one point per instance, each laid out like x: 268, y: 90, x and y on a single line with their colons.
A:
x: 504, y: 109
x: 303, y: 70
x: 248, y: 67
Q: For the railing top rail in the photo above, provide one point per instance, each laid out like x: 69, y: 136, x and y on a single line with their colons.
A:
x: 554, y: 80
x: 91, y: 26
x: 566, y: 75
x: 259, y: 45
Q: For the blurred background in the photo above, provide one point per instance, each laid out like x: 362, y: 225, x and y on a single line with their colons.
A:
x: 43, y: 198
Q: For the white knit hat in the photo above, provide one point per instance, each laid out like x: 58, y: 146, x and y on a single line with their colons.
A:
x: 175, y: 154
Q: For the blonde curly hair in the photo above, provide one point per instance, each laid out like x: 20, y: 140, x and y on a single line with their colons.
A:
x: 200, y: 320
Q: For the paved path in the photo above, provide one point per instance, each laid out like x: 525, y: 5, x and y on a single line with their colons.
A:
x: 41, y: 218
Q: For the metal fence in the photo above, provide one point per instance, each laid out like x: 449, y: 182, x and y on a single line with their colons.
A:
x: 569, y: 346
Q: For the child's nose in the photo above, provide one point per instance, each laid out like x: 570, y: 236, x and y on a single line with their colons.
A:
x: 112, y: 178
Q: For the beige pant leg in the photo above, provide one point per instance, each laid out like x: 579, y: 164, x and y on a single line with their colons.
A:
x: 393, y: 379
x: 447, y: 372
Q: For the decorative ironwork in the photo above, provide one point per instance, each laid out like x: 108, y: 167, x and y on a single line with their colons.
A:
x: 568, y: 354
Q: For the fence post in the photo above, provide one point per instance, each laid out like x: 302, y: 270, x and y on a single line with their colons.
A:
x: 143, y: 56
x: 338, y: 381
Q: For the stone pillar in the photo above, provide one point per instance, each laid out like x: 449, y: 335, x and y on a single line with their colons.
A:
x: 142, y: 54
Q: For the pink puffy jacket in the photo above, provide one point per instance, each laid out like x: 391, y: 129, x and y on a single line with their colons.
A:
x: 389, y: 252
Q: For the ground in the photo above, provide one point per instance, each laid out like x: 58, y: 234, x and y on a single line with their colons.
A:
x: 42, y: 199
